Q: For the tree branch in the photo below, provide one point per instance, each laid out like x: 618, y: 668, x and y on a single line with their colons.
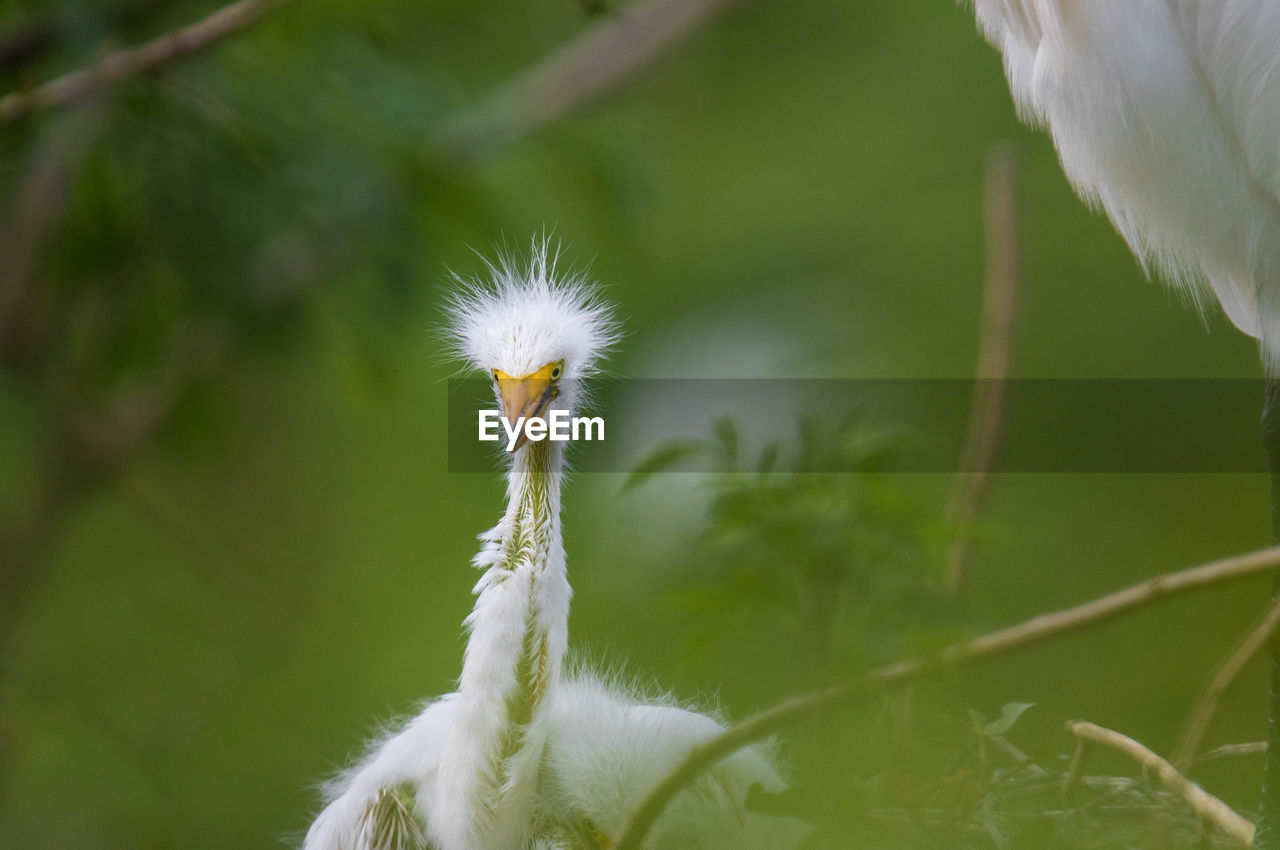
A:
x: 1227, y: 671
x: 598, y: 59
x: 119, y: 64
x: 1031, y: 631
x: 986, y: 416
x: 1205, y: 804
x: 30, y: 41
x: 1250, y: 748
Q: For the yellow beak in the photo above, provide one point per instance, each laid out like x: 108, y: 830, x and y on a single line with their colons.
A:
x: 526, y: 396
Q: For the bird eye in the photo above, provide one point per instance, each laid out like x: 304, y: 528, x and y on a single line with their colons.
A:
x: 557, y: 371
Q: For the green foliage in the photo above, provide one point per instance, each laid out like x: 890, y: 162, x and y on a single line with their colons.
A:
x: 980, y: 791
x: 849, y: 558
x: 261, y: 556
x: 1002, y: 725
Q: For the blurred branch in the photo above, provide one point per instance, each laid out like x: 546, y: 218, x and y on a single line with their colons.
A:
x: 1206, y: 805
x: 1031, y: 631
x: 1075, y: 769
x: 987, y: 413
x: 131, y: 747
x: 85, y: 452
x: 1227, y: 671
x: 36, y: 205
x: 25, y: 545
x: 216, y: 560
x: 118, y: 64
x: 598, y: 59
x: 1249, y: 748
x: 28, y: 42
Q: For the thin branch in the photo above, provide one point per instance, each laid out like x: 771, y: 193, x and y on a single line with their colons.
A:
x: 1075, y: 769
x: 1031, y: 631
x: 1205, y: 804
x: 986, y: 415
x: 1227, y: 671
x: 118, y: 64
x: 600, y: 58
x: 1250, y: 748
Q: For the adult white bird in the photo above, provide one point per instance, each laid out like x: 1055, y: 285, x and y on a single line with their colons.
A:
x: 523, y: 755
x: 1166, y: 114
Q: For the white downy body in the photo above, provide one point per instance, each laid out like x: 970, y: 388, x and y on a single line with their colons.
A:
x: 523, y: 755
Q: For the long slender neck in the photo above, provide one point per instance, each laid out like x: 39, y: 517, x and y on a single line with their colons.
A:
x: 519, y: 632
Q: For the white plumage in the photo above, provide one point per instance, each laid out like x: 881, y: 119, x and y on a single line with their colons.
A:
x: 523, y: 755
x: 1166, y: 113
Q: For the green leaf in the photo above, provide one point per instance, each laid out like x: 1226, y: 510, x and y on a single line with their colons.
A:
x: 662, y: 459
x: 1009, y: 716
x: 768, y: 457
x: 726, y: 434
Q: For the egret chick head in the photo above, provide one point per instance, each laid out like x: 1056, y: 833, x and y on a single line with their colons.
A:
x: 535, y: 334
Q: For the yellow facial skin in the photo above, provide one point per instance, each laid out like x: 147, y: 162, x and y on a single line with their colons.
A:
x: 528, y: 395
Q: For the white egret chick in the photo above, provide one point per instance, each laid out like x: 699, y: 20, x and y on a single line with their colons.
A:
x: 523, y: 756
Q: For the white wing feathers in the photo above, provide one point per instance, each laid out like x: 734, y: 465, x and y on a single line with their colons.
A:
x: 1166, y: 113
x: 605, y: 749
x: 409, y: 760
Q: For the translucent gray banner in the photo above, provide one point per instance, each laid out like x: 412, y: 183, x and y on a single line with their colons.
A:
x: 893, y: 425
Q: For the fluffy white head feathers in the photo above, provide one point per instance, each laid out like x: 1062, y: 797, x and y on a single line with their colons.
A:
x: 525, y: 319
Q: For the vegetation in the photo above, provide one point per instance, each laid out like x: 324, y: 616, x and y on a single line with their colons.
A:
x: 228, y: 532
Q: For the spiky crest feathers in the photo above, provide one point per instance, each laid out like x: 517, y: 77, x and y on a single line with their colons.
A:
x: 528, y: 314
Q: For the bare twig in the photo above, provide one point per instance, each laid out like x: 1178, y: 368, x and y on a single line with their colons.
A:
x: 1103, y: 608
x: 987, y: 412
x: 600, y: 58
x: 1031, y: 631
x: 1075, y: 769
x: 1227, y: 671
x: 1249, y: 748
x: 118, y: 64
x: 1206, y: 805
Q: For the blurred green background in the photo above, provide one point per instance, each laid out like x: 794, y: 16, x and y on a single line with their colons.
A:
x: 231, y: 546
